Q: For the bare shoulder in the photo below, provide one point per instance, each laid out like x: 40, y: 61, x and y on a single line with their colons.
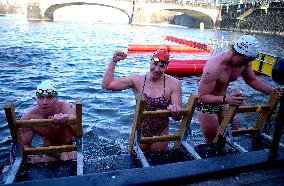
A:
x: 62, y: 102
x: 213, y: 66
x: 33, y: 113
x: 66, y: 108
x: 136, y: 78
x: 248, y: 71
x: 65, y: 104
x: 172, y: 80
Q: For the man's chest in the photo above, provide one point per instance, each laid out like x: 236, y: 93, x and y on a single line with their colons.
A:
x: 230, y: 75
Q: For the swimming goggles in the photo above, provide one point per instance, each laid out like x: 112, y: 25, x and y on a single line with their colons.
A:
x: 49, y: 92
x: 163, y: 62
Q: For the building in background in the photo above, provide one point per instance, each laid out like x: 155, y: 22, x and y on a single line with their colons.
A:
x: 13, y: 7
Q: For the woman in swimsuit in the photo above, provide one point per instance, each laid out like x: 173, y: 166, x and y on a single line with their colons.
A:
x: 161, y: 91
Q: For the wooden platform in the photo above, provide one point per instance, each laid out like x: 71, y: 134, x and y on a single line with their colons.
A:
x: 222, y: 169
x: 97, y: 162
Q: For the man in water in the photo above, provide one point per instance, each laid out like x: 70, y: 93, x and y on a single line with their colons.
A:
x: 219, y: 71
x: 160, y: 90
x: 49, y: 107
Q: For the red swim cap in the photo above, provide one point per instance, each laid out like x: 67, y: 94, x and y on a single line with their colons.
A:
x: 162, y: 55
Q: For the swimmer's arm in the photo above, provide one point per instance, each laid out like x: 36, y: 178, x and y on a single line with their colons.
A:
x: 254, y: 82
x: 67, y: 108
x: 206, y: 86
x: 176, y: 99
x: 111, y: 83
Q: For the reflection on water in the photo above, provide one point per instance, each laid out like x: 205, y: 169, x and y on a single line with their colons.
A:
x: 75, y: 55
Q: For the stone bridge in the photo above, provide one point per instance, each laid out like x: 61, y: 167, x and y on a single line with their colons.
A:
x: 138, y: 11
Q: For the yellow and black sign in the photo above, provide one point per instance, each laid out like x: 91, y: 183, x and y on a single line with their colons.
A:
x: 264, y: 63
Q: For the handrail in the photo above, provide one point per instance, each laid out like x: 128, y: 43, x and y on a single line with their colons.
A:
x: 162, y: 113
x: 163, y: 138
x: 42, y: 123
x: 48, y: 150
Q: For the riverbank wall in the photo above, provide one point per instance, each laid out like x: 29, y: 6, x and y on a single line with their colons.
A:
x: 250, y: 18
x: 259, y: 20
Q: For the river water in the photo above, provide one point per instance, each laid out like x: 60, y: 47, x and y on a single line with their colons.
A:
x: 75, y: 54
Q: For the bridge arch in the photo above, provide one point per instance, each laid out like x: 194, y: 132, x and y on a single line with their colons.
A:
x: 51, y: 9
x: 206, y: 14
x: 138, y: 12
x: 198, y: 16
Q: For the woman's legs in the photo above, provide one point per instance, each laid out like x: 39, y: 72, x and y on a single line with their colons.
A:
x: 160, y: 145
x: 156, y: 146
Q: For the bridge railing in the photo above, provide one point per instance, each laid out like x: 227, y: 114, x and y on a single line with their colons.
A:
x: 189, y: 3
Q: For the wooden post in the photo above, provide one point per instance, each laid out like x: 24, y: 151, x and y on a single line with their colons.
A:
x: 79, y: 143
x: 137, y: 121
x: 227, y: 119
x: 278, y: 129
x: 272, y: 103
x: 190, y: 108
x: 79, y: 117
x: 11, y: 119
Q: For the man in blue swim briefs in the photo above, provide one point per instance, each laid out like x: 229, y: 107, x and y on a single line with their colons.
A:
x: 219, y: 71
x: 49, y: 107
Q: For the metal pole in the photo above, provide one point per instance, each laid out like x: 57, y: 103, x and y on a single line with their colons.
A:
x: 278, y: 129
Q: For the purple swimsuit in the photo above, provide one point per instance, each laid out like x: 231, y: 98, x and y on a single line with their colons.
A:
x: 154, y: 126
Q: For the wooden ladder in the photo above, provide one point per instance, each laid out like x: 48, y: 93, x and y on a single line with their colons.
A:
x: 135, y: 136
x: 265, y: 113
x: 20, y: 152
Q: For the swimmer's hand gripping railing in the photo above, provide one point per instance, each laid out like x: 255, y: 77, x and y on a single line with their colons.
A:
x: 265, y: 113
x: 187, y: 114
x: 15, y: 125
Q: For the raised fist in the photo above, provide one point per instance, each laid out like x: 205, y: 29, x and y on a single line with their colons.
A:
x: 118, y: 55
